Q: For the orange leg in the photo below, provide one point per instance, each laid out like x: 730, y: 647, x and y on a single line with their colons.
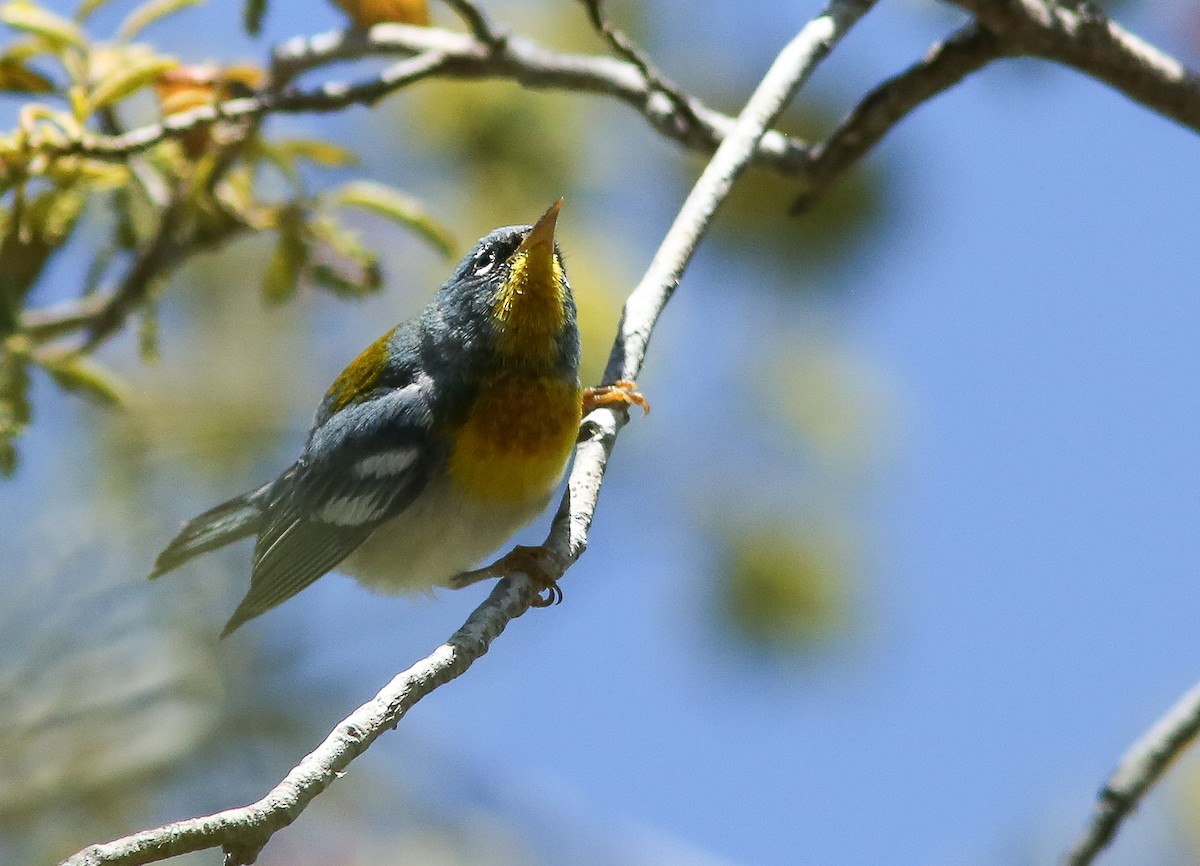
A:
x: 537, y: 562
x: 622, y: 392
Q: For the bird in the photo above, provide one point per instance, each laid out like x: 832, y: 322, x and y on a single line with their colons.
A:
x: 433, y: 447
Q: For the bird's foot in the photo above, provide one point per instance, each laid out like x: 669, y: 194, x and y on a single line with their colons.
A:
x: 536, y: 562
x: 623, y: 392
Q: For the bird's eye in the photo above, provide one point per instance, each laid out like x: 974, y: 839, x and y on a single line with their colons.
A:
x: 484, y: 263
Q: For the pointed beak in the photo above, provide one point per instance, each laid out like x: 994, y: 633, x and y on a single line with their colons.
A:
x: 542, y: 233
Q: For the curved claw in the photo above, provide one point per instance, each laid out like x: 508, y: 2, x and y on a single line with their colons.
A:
x: 553, y: 596
x: 535, y: 562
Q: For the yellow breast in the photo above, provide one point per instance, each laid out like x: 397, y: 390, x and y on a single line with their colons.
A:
x: 517, y: 439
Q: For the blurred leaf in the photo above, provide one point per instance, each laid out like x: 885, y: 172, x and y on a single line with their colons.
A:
x: 322, y: 153
x: 98, y: 268
x: 77, y: 96
x: 84, y: 376
x: 21, y: 261
x: 518, y: 150
x: 398, y: 207
x: 147, y: 332
x: 786, y: 586
x: 252, y: 16
x: 97, y: 175
x: 54, y: 213
x: 29, y: 18
x: 367, y: 13
x: 148, y: 13
x: 16, y: 77
x: 8, y: 451
x: 287, y: 263
x: 86, y: 8
x: 340, y: 262
x: 136, y: 217
x: 24, y: 49
x: 14, y: 405
x: 127, y: 79
x: 829, y: 396
x: 32, y: 235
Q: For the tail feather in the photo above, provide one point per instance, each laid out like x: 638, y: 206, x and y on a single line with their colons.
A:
x: 226, y: 523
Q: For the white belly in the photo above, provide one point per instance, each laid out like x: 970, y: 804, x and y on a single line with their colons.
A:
x: 439, y: 536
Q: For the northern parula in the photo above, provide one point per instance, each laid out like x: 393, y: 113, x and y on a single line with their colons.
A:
x: 434, y: 446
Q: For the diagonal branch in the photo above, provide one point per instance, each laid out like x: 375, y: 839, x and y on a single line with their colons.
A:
x: 1140, y: 768
x: 243, y: 832
x: 943, y: 66
x: 1083, y: 37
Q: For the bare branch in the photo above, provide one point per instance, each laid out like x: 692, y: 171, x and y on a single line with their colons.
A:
x: 243, y: 832
x: 453, y: 55
x: 628, y: 49
x: 332, y: 96
x: 943, y: 66
x: 1081, y: 36
x: 1140, y: 768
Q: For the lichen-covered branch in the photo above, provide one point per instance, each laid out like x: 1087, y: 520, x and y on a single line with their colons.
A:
x: 1083, y: 37
x: 1140, y: 768
x: 243, y: 832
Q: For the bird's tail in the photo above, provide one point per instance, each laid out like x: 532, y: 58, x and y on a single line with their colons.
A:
x: 227, y: 522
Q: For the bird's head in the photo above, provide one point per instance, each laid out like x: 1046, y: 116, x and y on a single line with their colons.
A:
x: 515, y: 282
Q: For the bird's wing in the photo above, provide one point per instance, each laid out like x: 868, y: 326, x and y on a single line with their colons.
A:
x: 363, y: 466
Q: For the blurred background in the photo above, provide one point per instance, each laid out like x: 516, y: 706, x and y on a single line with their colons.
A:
x: 901, y: 562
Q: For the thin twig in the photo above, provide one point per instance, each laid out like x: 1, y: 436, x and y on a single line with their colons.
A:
x: 943, y: 66
x: 628, y: 49
x: 243, y: 832
x: 451, y: 55
x: 1140, y: 768
x: 151, y: 264
x: 478, y: 23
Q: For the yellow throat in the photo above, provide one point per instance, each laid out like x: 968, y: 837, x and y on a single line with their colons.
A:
x: 530, y: 307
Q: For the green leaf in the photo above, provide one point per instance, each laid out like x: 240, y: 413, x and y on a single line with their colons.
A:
x: 340, y: 262
x: 397, y: 206
x: 287, y: 262
x: 266, y: 151
x: 84, y: 376
x: 86, y: 8
x: 253, y: 14
x: 127, y: 79
x: 16, y: 77
x: 149, y: 12
x: 322, y: 153
x: 32, y: 235
x: 32, y: 19
x: 53, y: 214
